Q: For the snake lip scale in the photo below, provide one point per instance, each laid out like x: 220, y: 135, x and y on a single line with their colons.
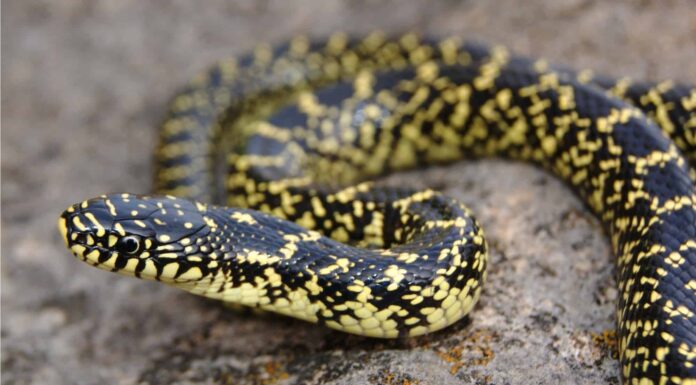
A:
x: 262, y: 195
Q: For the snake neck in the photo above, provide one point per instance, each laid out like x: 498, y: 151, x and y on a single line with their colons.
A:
x: 262, y: 261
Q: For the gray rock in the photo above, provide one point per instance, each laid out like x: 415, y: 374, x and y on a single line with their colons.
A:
x: 84, y: 86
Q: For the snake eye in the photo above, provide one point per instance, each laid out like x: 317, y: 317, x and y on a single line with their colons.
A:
x: 128, y: 245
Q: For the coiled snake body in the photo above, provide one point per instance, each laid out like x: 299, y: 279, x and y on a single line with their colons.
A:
x: 301, y: 127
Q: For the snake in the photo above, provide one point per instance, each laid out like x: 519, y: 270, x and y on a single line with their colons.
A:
x: 265, y: 193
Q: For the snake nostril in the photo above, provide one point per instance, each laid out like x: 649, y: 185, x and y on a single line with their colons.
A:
x: 81, y: 238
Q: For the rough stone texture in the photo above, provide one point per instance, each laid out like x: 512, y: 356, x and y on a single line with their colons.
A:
x: 84, y: 86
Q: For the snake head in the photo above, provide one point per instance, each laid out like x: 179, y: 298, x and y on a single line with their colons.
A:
x: 151, y: 237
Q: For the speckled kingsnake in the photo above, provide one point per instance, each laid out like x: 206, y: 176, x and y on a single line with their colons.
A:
x: 299, y: 123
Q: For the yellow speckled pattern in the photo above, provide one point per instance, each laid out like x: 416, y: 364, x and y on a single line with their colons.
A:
x: 287, y: 137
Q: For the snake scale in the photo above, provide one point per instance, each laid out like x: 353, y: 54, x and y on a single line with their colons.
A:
x: 289, y: 136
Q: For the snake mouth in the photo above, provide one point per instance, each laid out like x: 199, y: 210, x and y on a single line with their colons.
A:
x: 89, y: 240
x: 63, y: 229
x: 92, y: 241
x: 76, y: 235
x: 83, y: 242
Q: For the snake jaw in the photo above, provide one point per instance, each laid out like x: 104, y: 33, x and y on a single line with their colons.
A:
x: 138, y: 236
x: 63, y: 229
x: 88, y: 237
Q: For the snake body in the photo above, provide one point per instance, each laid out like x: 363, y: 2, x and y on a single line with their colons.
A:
x: 301, y: 127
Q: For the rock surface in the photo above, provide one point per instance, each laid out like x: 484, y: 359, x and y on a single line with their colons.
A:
x: 84, y: 86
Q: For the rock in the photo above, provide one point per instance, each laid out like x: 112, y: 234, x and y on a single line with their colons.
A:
x: 85, y: 84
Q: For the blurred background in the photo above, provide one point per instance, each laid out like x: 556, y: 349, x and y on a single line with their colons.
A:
x: 84, y: 85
